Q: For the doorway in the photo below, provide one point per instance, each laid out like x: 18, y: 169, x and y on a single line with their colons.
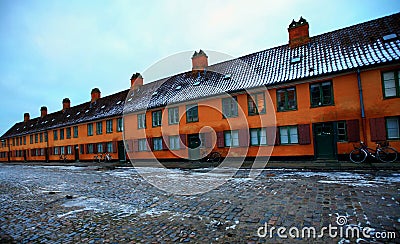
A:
x: 76, y: 153
x: 324, y: 135
x: 121, y: 151
x: 194, y: 146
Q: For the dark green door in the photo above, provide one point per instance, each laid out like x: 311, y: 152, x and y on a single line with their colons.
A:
x: 324, y: 141
x: 76, y: 153
x: 194, y: 146
x: 121, y: 151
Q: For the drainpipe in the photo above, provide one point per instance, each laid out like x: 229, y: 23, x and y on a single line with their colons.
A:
x: 363, y: 120
x: 9, y: 150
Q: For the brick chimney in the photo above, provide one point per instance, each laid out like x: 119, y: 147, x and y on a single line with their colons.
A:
x: 136, y: 81
x: 66, y: 104
x: 298, y: 33
x: 43, y: 111
x: 26, y: 117
x: 199, y: 60
x: 96, y: 94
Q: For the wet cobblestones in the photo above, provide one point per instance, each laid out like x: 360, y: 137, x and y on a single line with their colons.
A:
x: 119, y: 206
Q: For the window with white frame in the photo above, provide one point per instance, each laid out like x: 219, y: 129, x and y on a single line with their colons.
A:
x: 392, y: 127
x: 231, y: 138
x: 174, y: 143
x: 391, y: 84
x: 288, y: 135
x: 141, y: 120
x: 258, y: 136
x: 142, y: 145
x: 173, y: 115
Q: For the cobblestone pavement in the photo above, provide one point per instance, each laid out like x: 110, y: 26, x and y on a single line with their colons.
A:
x: 87, y: 205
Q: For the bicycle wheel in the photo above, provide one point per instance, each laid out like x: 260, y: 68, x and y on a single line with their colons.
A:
x: 358, y: 156
x: 215, y: 157
x: 387, y: 154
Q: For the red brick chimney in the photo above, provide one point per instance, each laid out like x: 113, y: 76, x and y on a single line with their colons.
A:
x: 136, y: 80
x: 66, y: 104
x: 199, y: 60
x: 96, y: 94
x: 298, y: 33
x: 43, y: 111
x: 26, y: 117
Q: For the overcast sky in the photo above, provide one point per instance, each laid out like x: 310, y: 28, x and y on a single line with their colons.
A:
x: 56, y: 49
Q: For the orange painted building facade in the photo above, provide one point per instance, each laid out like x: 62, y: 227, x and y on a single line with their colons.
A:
x: 311, y: 99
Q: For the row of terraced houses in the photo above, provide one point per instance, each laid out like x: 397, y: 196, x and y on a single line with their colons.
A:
x: 312, y: 98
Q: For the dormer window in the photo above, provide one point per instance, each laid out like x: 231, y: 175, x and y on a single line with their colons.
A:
x: 295, y: 60
x: 227, y: 76
x: 389, y: 37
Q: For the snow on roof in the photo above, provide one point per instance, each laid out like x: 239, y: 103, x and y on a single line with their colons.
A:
x: 364, y: 45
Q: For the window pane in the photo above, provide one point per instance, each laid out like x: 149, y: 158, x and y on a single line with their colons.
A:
x: 173, y: 116
x: 263, y: 136
x: 251, y: 105
x: 254, y: 136
x: 109, y: 147
x: 327, y: 93
x: 235, y: 138
x: 293, y: 135
x: 341, y: 131
x: 392, y: 125
x: 281, y: 99
x: 390, y: 88
x: 291, y: 97
x: 192, y: 113
x: 283, y: 131
x: 261, y: 103
x: 120, y: 125
x: 315, y: 95
x: 228, y: 139
x: 157, y: 144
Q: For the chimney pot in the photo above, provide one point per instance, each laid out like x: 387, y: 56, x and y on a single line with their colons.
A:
x: 199, y: 60
x: 26, y: 117
x: 43, y: 111
x: 66, y: 104
x: 136, y: 80
x: 95, y: 95
x: 298, y: 33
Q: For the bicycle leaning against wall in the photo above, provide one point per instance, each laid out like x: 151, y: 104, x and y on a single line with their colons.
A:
x: 383, y: 152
